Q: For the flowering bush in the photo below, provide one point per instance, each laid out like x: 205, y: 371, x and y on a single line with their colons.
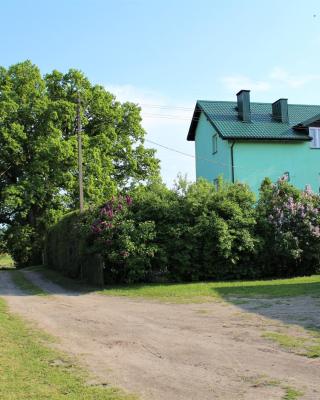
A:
x: 193, y: 232
x: 288, y: 220
x: 124, y: 243
x: 201, y: 232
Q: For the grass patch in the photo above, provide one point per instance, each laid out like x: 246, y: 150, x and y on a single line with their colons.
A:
x: 25, y: 285
x: 31, y: 370
x: 292, y: 394
x: 263, y: 380
x: 206, y: 291
x: 199, y: 292
x: 308, y: 346
x: 6, y: 261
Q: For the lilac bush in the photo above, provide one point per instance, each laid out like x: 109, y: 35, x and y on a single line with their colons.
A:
x: 289, y: 226
x: 125, y: 244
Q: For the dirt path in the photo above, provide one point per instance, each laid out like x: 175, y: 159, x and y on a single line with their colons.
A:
x: 167, y: 351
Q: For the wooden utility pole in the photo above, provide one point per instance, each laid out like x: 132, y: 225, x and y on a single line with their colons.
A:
x: 80, y: 154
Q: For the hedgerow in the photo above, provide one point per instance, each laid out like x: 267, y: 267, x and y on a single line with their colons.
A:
x: 193, y: 232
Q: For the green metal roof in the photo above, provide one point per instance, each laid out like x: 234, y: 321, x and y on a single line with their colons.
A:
x: 223, y: 116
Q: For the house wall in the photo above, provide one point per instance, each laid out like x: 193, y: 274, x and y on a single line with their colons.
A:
x: 208, y: 165
x: 256, y: 160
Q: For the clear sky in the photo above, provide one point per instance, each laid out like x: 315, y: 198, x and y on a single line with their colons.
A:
x: 167, y: 54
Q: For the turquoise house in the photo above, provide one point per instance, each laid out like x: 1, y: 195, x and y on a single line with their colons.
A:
x: 246, y: 142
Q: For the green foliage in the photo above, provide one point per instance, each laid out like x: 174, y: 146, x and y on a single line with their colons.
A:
x: 190, y: 233
x: 65, y: 244
x: 38, y: 151
x: 195, y: 232
x: 6, y: 261
x: 124, y: 243
x: 288, y: 223
x: 3, y: 245
x: 202, y: 232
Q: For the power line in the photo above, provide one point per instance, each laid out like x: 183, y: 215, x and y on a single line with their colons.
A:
x: 166, y: 107
x: 204, y: 159
x: 166, y: 116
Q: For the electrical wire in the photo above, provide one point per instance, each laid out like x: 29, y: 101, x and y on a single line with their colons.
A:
x: 208, y: 160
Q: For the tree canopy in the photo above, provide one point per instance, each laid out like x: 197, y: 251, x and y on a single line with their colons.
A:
x: 38, y: 151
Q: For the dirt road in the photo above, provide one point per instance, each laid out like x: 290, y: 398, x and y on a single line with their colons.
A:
x: 173, y: 351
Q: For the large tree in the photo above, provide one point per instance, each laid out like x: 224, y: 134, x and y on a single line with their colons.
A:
x: 38, y: 151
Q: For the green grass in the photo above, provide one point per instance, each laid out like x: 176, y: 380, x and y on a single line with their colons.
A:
x: 31, y: 370
x: 25, y: 285
x: 201, y: 291
x: 292, y: 394
x: 6, y: 261
x: 206, y: 291
x: 308, y: 345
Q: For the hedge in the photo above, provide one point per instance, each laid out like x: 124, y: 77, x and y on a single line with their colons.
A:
x: 190, y: 233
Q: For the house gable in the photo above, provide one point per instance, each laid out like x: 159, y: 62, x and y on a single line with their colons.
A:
x: 271, y: 141
x: 211, y: 163
x: 223, y: 116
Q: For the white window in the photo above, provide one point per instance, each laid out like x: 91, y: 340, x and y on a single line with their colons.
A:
x: 214, y: 144
x: 314, y: 133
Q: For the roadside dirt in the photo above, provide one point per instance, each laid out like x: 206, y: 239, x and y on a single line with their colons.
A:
x: 174, y: 351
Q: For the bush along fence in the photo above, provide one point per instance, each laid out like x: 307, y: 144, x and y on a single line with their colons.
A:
x: 193, y: 232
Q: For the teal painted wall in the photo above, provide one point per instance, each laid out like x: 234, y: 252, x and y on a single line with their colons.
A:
x: 256, y: 160
x: 208, y: 165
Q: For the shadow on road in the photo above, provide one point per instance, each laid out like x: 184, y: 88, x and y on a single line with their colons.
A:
x: 290, y: 303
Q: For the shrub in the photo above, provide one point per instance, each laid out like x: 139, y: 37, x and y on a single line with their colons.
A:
x: 124, y: 243
x: 3, y: 246
x: 192, y: 232
x: 25, y: 244
x: 65, y: 244
x: 201, y: 232
x: 288, y: 223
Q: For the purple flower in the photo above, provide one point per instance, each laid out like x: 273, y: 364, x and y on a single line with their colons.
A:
x: 103, y: 211
x: 128, y: 200
x: 95, y: 229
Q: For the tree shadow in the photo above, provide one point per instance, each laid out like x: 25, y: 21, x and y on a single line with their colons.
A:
x: 39, y: 281
x: 290, y: 303
x: 295, y: 302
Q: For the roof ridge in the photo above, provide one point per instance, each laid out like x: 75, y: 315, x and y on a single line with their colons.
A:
x: 257, y: 102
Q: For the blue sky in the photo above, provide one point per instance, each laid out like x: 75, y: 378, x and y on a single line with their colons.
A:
x: 167, y: 54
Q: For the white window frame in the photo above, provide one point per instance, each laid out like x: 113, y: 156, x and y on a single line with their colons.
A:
x: 314, y: 133
x: 214, y: 143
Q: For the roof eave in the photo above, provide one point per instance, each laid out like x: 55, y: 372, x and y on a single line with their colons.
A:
x: 194, y: 123
x: 265, y: 139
